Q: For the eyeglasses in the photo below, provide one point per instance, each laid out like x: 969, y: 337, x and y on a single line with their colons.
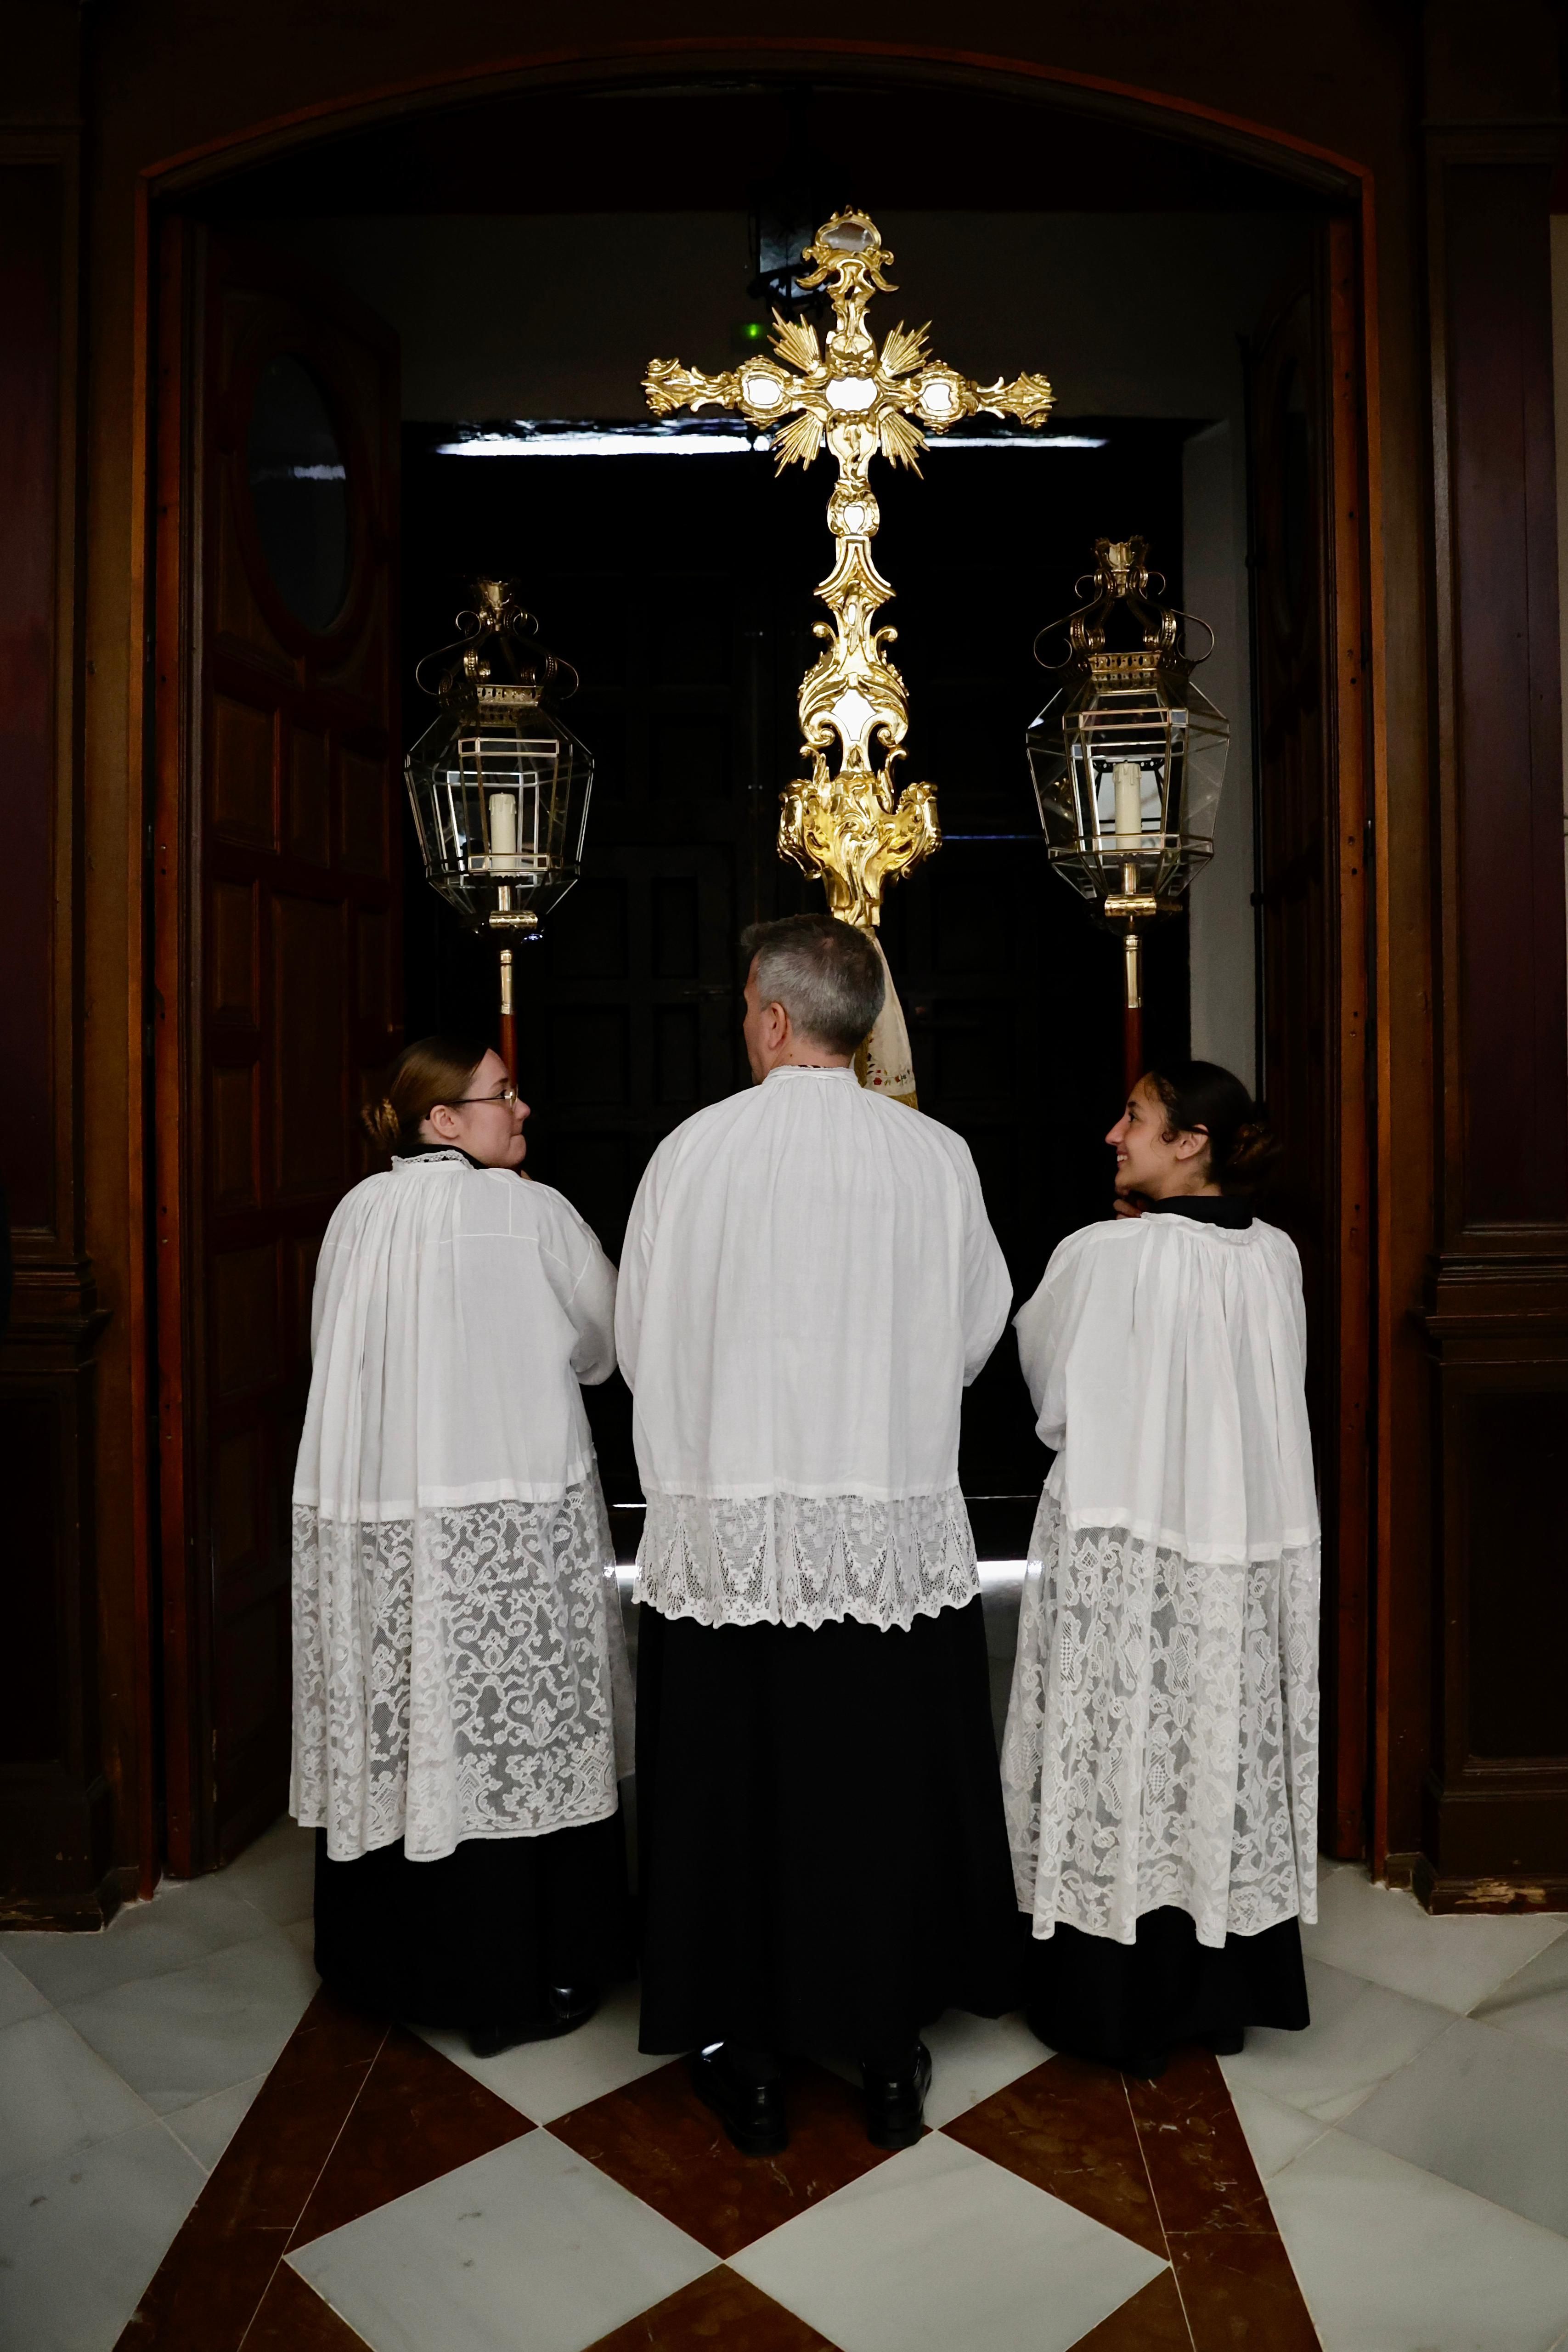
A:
x: 508, y: 1094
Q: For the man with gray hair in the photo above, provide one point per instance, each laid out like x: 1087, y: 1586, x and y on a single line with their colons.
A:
x: 807, y: 1284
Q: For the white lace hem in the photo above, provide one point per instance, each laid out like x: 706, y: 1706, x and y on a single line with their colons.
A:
x: 461, y: 1674
x: 799, y: 1559
x: 1162, y: 1737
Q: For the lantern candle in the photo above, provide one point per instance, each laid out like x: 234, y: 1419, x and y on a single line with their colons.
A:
x: 504, y: 833
x: 1127, y: 776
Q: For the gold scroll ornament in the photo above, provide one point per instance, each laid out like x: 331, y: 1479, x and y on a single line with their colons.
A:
x: 849, y: 825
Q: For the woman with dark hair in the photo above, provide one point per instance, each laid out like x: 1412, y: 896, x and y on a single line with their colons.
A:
x: 461, y: 1701
x: 1160, y: 1761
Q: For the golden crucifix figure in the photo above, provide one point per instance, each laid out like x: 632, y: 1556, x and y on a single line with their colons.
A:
x: 852, y: 829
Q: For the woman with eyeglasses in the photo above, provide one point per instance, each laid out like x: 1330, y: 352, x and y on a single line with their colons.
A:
x: 461, y: 1702
x: 1160, y: 1763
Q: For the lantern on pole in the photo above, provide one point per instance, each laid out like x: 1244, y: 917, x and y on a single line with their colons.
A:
x: 1128, y: 760
x: 499, y: 784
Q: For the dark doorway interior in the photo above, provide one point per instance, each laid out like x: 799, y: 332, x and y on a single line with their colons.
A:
x: 681, y: 588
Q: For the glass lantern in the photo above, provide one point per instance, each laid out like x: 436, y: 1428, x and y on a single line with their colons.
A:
x: 1128, y: 758
x: 499, y: 784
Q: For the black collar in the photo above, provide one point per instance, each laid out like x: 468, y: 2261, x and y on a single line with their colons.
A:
x: 1230, y: 1209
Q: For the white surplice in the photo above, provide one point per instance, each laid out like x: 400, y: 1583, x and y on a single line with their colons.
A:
x: 1160, y: 1744
x: 459, y: 1664
x: 807, y: 1284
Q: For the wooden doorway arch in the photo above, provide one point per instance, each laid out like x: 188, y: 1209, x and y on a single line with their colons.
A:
x: 1353, y: 612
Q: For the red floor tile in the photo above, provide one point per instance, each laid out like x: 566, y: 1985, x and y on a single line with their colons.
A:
x: 1067, y: 2127
x: 294, y: 2318
x: 1237, y: 2285
x: 1198, y: 2160
x: 1240, y: 2294
x: 417, y: 2116
x: 657, y: 2139
x: 1151, y: 2320
x: 210, y: 2282
x: 720, y: 2312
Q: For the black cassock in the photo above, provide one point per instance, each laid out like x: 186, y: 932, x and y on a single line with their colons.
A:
x: 478, y: 1938
x: 822, y: 1854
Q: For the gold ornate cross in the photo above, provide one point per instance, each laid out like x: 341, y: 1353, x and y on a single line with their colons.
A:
x: 850, y: 829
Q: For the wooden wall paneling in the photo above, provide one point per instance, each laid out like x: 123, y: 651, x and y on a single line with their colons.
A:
x: 177, y: 618
x: 57, y: 1820
x: 1311, y: 631
x: 278, y: 947
x: 1504, y: 1015
x: 1495, y: 1826
x: 1347, y: 1811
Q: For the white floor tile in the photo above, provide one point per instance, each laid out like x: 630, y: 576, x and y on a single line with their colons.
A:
x: 207, y: 2126
x: 1359, y: 2035
x: 277, y: 1874
x: 973, y: 2056
x: 57, y: 2094
x: 79, y: 2240
x: 1486, y: 2111
x: 19, y: 1996
x: 185, y: 1921
x: 939, y: 2249
x: 527, y: 2250
x: 179, y: 2038
x: 1392, y: 2259
x: 1535, y: 2003
x: 1383, y: 1934
x: 1276, y: 2134
x: 546, y: 2079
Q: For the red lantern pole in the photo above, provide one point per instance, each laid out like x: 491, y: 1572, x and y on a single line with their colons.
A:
x: 1133, y: 1063
x: 508, y: 1046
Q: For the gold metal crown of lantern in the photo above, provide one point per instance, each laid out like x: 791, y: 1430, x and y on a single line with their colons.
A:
x: 848, y: 824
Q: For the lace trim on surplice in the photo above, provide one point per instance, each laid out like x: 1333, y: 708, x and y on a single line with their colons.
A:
x: 458, y: 1674
x: 798, y: 1559
x: 1162, y: 1739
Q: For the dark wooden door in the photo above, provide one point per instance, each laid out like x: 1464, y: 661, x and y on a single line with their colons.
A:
x: 682, y: 589
x: 279, y: 955
x: 1309, y: 615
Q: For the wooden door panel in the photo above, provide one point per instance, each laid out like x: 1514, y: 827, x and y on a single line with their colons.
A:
x: 289, y: 896
x: 241, y: 768
x: 231, y: 931
x: 366, y: 803
x: 311, y: 1120
x: 308, y: 801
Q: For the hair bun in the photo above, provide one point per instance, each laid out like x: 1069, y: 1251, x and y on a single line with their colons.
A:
x: 1253, y: 1151
x: 383, y: 1125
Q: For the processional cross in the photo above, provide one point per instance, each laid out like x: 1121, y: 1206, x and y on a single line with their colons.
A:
x: 850, y: 829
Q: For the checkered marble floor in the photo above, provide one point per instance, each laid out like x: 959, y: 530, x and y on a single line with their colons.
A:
x: 389, y: 2190
x: 177, y: 2097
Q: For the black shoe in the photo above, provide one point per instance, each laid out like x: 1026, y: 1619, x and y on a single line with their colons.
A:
x: 752, y: 2113
x: 896, y: 2103
x: 569, y: 2007
x: 1227, y: 2043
